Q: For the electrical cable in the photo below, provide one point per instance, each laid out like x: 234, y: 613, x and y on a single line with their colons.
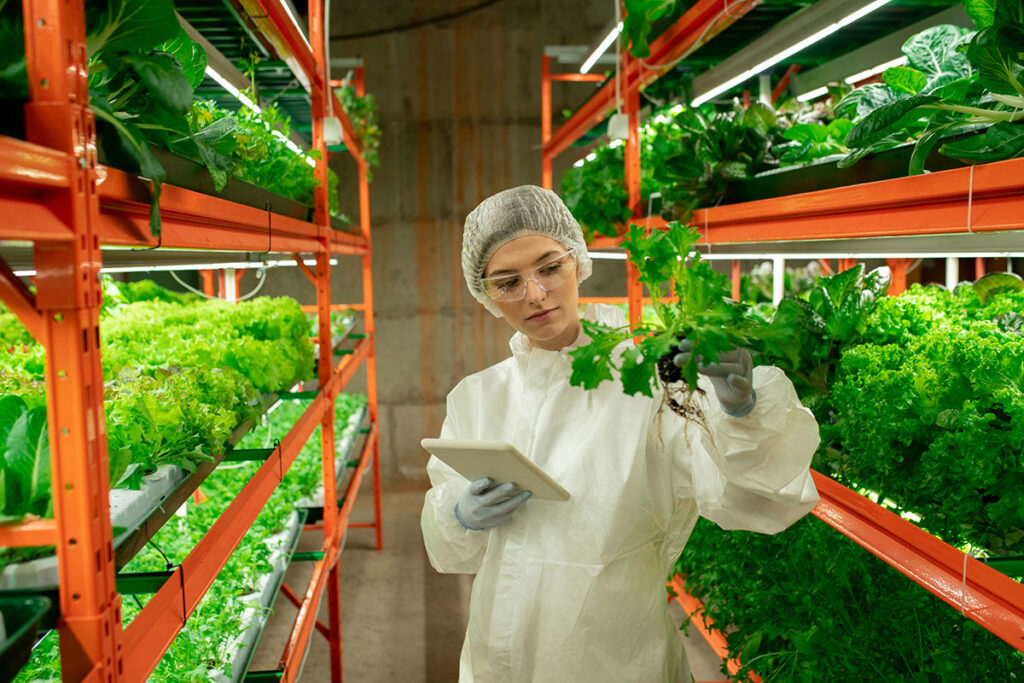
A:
x: 417, y: 24
x: 261, y: 275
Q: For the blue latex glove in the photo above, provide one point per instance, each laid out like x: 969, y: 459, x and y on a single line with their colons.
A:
x: 732, y: 376
x: 485, y: 506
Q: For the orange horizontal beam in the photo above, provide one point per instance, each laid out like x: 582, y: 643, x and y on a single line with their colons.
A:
x: 609, y: 300
x: 701, y: 23
x: 25, y: 534
x: 195, y: 220
x: 989, y: 196
x: 579, y: 78
x: 990, y: 598
x: 703, y: 623
x: 35, y: 166
x: 151, y: 633
x: 986, y: 196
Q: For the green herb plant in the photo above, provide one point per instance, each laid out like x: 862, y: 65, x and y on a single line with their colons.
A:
x: 699, y: 310
x: 363, y: 113
x: 956, y: 81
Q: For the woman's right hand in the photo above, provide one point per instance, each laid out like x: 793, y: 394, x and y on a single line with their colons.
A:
x: 485, y: 506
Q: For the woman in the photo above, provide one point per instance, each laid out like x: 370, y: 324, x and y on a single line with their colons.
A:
x: 575, y: 591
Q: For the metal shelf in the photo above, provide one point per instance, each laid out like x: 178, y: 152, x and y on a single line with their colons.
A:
x: 943, y: 211
x: 66, y: 206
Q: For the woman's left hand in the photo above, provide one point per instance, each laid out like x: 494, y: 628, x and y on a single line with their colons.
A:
x: 732, y: 376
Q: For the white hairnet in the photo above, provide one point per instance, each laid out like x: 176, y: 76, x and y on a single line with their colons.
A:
x: 518, y: 212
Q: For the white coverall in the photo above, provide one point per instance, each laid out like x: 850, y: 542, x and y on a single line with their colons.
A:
x: 575, y: 591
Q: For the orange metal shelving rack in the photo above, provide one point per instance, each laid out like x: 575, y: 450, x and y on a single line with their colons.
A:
x: 56, y: 196
x: 976, y: 199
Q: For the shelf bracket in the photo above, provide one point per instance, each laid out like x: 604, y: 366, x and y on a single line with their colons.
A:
x: 21, y: 301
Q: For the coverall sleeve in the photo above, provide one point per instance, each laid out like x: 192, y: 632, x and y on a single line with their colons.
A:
x: 753, y: 472
x: 452, y: 548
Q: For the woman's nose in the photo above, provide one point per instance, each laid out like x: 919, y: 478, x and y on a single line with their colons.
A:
x: 534, y: 292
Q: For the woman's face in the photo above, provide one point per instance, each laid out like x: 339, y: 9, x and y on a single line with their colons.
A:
x: 549, y: 319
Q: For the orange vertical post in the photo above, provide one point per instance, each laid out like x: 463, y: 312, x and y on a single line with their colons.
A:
x: 545, y: 120
x: 325, y: 367
x: 736, y: 279
x: 979, y: 267
x: 68, y: 296
x: 207, y: 276
x: 846, y: 264
x: 631, y: 106
x: 898, y: 275
x: 368, y: 321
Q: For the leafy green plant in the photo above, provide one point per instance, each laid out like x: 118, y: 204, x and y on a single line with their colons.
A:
x: 24, y: 460
x: 699, y: 310
x: 260, y: 154
x: 812, y: 141
x: 810, y: 605
x: 205, y: 645
x: 641, y: 16
x: 143, y: 69
x: 363, y: 113
x: 595, y: 193
x: 955, y: 82
x: 714, y: 149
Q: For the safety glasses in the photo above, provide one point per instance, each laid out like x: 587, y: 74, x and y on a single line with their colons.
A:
x: 547, y: 275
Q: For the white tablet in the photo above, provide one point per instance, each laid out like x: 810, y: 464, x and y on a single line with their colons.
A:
x: 498, y: 460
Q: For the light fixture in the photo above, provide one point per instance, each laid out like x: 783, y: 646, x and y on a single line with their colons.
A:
x: 881, y: 68
x: 803, y: 21
x: 235, y: 92
x: 813, y: 94
x: 855, y: 78
x: 604, y: 45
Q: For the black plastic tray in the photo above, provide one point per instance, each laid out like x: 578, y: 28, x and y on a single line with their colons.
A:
x: 21, y: 621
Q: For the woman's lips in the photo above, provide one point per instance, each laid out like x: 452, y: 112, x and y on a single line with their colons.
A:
x: 544, y: 315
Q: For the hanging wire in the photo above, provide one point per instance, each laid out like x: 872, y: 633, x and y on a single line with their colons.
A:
x: 261, y: 276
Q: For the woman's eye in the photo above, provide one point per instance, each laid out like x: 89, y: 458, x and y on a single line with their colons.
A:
x: 508, y: 284
x: 552, y: 269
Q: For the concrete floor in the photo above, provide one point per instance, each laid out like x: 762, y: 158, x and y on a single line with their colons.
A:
x: 402, y: 621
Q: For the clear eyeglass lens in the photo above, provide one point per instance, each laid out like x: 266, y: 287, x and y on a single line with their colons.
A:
x: 547, y: 275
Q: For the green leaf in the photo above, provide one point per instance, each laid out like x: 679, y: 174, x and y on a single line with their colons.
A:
x: 11, y: 408
x: 162, y: 75
x: 981, y: 12
x: 128, y: 25
x: 905, y: 79
x: 807, y: 132
x: 961, y: 91
x: 133, y: 143
x: 1000, y: 141
x: 885, y: 120
x: 996, y: 65
x: 190, y: 55
x: 28, y: 459
x: 923, y: 148
x: 935, y: 52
